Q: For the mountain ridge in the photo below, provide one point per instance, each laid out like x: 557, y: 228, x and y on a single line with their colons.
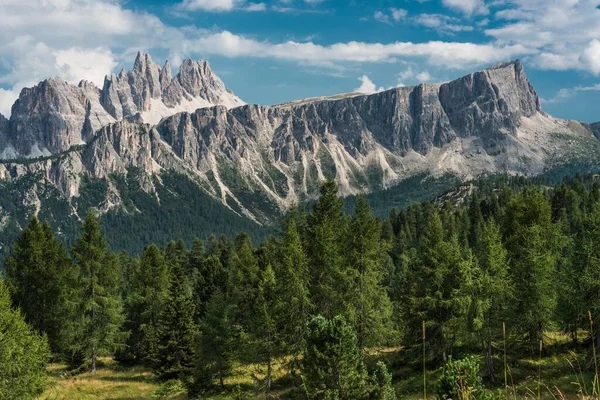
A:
x: 258, y: 160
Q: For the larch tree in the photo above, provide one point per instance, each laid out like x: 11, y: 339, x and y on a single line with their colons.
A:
x: 99, y: 317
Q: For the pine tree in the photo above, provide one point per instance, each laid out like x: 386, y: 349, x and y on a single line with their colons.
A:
x: 40, y: 277
x: 177, y: 328
x: 369, y: 306
x: 264, y: 337
x: 294, y: 308
x: 216, y: 346
x: 145, y: 305
x: 97, y: 328
x: 24, y: 354
x: 332, y: 366
x: 435, y: 279
x: 494, y: 288
x: 382, y: 383
x: 327, y: 228
x: 242, y: 291
x: 534, y: 246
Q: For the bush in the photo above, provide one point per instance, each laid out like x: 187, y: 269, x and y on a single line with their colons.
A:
x: 461, y: 380
x: 24, y: 354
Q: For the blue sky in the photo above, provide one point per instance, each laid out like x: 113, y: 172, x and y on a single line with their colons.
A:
x: 270, y: 51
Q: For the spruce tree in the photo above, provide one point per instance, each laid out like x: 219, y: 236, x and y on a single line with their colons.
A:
x: 435, y: 280
x: 294, y: 308
x: 534, y: 246
x: 215, y: 350
x: 24, y: 354
x: 177, y: 328
x: 382, y: 383
x: 368, y: 303
x: 97, y: 326
x: 332, y: 366
x: 40, y: 277
x: 145, y: 305
x: 326, y: 233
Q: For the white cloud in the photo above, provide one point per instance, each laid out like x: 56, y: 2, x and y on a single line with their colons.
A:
x: 210, y: 5
x: 398, y: 14
x: 256, y: 7
x: 448, y: 54
x: 591, y: 57
x: 381, y: 17
x: 76, y: 64
x: 444, y: 24
x: 561, y: 31
x: 567, y: 93
x: 367, y: 86
x: 413, y: 76
x: 467, y: 7
x: 423, y: 76
x: 7, y: 99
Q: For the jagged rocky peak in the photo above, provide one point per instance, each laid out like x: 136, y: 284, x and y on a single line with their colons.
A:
x: 54, y: 115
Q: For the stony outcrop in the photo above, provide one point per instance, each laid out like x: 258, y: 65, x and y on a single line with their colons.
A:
x: 259, y: 160
x: 55, y: 115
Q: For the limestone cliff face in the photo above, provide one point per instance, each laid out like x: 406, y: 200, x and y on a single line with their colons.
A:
x: 257, y: 159
x: 55, y: 115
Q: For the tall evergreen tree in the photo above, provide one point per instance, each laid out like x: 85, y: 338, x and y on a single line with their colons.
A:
x: 370, y: 308
x: 534, y: 245
x: 145, y: 305
x: 327, y: 228
x: 177, y: 328
x: 24, y: 354
x: 435, y: 279
x: 40, y: 277
x: 97, y: 328
x: 294, y: 309
x: 215, y: 350
x: 332, y: 366
x: 494, y: 288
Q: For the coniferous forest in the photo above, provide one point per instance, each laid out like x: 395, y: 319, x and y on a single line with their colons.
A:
x: 443, y: 299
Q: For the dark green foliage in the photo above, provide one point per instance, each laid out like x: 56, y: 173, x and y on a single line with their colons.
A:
x: 41, y: 279
x: 144, y: 306
x: 177, y: 329
x: 325, y: 236
x: 382, y: 383
x: 461, y: 380
x: 98, y: 316
x: 332, y: 366
x: 216, y: 347
x: 369, y: 306
x: 24, y: 354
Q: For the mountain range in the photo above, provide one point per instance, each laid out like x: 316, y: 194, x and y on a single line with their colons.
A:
x: 151, y: 146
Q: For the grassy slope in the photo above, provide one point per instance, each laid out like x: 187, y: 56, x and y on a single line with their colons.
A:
x: 560, y: 368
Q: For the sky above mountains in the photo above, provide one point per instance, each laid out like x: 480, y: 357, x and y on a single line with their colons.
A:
x: 271, y: 51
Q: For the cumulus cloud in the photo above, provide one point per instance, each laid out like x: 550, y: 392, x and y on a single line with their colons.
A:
x: 7, y: 99
x: 367, y: 86
x: 567, y: 93
x: 412, y: 76
x: 444, y: 24
x: 395, y: 15
x: 591, y: 56
x: 219, y: 6
x: 210, y: 5
x: 562, y: 31
x: 447, y: 54
x: 467, y: 7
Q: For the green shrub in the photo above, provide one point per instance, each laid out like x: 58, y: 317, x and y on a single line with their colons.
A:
x: 461, y: 380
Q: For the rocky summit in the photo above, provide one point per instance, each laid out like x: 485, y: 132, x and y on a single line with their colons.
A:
x: 257, y: 161
x: 53, y: 116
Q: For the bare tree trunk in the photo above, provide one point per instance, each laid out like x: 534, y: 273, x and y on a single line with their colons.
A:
x: 93, y: 359
x: 268, y: 396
